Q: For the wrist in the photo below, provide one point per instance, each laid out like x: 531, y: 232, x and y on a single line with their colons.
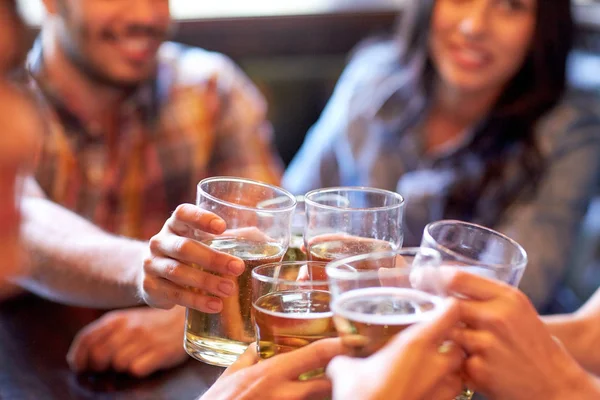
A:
x: 575, y: 383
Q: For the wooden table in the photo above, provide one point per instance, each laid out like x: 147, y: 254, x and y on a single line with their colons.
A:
x: 34, y: 338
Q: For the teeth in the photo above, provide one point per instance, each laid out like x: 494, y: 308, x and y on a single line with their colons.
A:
x: 136, y: 45
x: 472, y: 55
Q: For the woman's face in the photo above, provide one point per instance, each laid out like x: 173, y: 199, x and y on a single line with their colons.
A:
x: 480, y: 45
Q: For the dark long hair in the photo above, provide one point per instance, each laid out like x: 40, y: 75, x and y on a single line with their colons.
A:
x: 509, y: 127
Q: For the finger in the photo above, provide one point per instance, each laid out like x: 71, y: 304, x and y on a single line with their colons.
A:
x: 189, y: 216
x: 485, y: 316
x: 247, y: 359
x: 148, y: 363
x: 450, y: 387
x: 102, y: 353
x: 79, y: 352
x: 312, y: 389
x: 189, y: 251
x: 338, y: 365
x: 313, y: 356
x: 474, y: 341
x: 450, y: 357
x: 190, y: 277
x: 464, y: 284
x: 160, y: 293
x: 127, y: 354
x: 432, y: 332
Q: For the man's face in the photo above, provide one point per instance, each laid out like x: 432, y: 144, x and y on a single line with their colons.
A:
x: 113, y: 41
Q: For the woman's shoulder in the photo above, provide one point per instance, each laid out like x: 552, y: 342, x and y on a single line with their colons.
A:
x: 370, y: 62
x: 574, y: 120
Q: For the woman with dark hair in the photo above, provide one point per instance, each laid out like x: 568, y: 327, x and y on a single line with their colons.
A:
x: 463, y: 114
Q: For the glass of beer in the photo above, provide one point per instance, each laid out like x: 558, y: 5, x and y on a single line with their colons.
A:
x: 342, y: 222
x: 258, y: 218
x: 376, y: 296
x: 290, y: 306
x: 477, y: 250
x: 295, y: 250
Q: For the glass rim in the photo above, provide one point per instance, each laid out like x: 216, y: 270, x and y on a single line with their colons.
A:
x: 267, y: 279
x: 284, y: 192
x: 309, y: 201
x: 468, y: 260
x: 334, y: 272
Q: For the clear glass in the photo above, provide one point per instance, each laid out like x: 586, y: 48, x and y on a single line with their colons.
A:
x: 376, y: 296
x: 258, y: 218
x: 296, y: 249
x: 478, y: 250
x: 342, y: 222
x: 290, y: 306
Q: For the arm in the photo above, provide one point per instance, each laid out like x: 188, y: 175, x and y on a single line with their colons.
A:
x: 547, y: 225
x: 580, y: 332
x: 73, y: 261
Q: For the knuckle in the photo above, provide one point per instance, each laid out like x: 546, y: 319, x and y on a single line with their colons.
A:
x: 476, y: 369
x: 171, y: 270
x: 155, y: 243
x: 148, y: 285
x: 180, y: 211
x: 181, y: 245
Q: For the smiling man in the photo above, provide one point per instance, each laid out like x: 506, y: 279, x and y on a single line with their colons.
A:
x: 133, y: 123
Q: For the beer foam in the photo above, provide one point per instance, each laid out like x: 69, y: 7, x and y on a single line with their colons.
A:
x: 418, y: 296
x: 302, y: 305
x: 306, y: 315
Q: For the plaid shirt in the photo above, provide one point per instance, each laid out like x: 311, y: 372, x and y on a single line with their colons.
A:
x: 369, y: 135
x: 200, y: 116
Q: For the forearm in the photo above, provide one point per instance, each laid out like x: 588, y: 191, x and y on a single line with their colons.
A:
x: 75, y: 262
x: 579, y: 335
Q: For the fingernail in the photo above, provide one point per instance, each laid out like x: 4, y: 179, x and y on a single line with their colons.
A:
x: 226, y: 287
x: 217, y: 225
x: 214, y: 305
x: 236, y: 267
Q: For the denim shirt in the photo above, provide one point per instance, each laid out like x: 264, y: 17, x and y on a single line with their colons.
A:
x: 366, y: 137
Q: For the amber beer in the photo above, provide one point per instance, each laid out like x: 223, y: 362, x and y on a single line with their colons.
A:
x: 327, y: 250
x: 295, y: 251
x: 366, y: 319
x: 230, y: 331
x: 288, y: 320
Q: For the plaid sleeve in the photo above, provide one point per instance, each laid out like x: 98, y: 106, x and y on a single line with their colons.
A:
x: 244, y: 137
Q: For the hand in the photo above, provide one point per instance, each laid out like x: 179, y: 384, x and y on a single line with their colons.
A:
x: 168, y: 275
x: 511, y: 352
x: 277, y: 377
x: 411, y: 366
x: 137, y: 341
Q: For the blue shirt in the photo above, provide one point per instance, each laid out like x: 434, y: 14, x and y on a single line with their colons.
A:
x: 368, y: 136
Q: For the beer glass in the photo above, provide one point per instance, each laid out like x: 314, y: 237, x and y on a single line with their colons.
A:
x: 295, y: 250
x: 258, y: 218
x: 376, y: 296
x: 342, y: 222
x: 477, y: 250
x: 290, y: 306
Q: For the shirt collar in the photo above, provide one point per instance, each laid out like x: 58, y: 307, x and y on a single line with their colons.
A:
x: 142, y: 99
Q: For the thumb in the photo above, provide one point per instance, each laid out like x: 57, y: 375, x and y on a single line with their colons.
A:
x: 434, y: 331
x: 339, y: 365
x: 247, y: 359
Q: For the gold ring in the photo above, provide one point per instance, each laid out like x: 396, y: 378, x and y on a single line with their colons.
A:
x: 445, y: 348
